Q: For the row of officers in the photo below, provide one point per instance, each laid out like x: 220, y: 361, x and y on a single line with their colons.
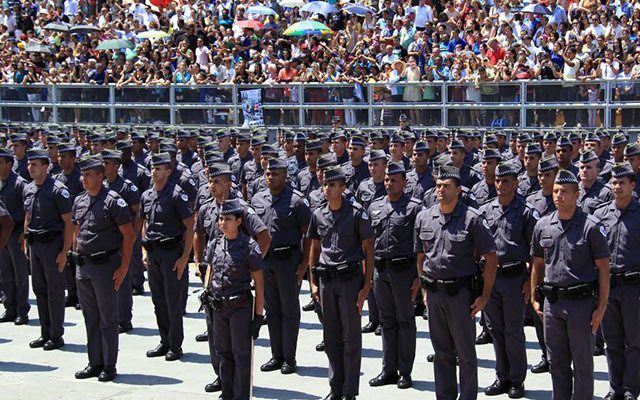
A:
x: 566, y: 250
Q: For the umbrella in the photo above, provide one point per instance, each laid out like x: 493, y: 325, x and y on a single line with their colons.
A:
x: 115, y: 44
x: 153, y: 35
x: 58, y: 27
x: 35, y: 47
x: 160, y: 3
x: 249, y: 23
x: 358, y: 9
x: 320, y: 7
x: 292, y: 3
x: 536, y: 9
x: 261, y: 10
x: 84, y: 29
x: 307, y: 27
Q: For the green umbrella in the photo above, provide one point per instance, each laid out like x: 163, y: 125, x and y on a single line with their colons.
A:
x: 115, y: 44
x: 153, y: 35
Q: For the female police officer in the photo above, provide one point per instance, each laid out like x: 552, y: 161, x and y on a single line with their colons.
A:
x: 235, y: 261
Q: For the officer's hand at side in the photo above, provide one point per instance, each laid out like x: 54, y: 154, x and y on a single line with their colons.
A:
x: 315, y: 293
x: 61, y: 260
x: 255, y: 326
x: 300, y: 274
x: 478, y: 305
x: 118, y: 276
x: 179, y: 266
x: 415, y: 286
x: 596, y: 318
x: 362, y: 296
x: 537, y: 307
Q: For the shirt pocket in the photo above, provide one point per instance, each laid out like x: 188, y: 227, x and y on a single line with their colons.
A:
x: 547, y: 247
x: 428, y: 239
x: 579, y: 251
x: 458, y: 242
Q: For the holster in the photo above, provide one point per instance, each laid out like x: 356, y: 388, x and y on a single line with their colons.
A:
x: 282, y: 253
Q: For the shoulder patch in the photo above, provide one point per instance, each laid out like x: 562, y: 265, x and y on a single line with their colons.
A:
x: 147, y: 172
x: 134, y: 188
x: 472, y: 196
x: 485, y: 223
x: 65, y: 193
x: 603, y: 231
x: 184, y: 197
x: 535, y: 214
x: 306, y: 202
x: 121, y: 202
x: 250, y: 210
x: 364, y: 216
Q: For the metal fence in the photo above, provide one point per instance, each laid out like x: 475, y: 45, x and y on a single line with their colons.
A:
x: 523, y: 104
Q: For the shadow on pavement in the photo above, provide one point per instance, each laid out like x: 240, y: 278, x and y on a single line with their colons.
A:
x: 3, y: 341
x: 316, y: 372
x: 24, y: 367
x: 272, y: 393
x: 537, y: 394
x: 142, y: 331
x: 74, y: 348
x: 196, y: 358
x: 146, y: 380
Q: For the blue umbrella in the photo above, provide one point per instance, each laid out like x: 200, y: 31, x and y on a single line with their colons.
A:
x: 319, y: 7
x: 358, y: 9
x: 536, y: 9
x: 261, y: 10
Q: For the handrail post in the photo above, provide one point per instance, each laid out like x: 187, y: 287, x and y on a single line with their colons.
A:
x: 53, y: 89
x: 444, y: 112
x: 300, y: 104
x: 172, y: 104
x: 607, y: 109
x: 112, y: 103
x: 370, y: 111
x: 523, y: 103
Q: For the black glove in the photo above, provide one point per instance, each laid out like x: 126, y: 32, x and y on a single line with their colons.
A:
x: 256, y: 324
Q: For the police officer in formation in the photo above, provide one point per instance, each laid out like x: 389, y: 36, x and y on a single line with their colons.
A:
x: 447, y: 237
x: 168, y: 237
x: 475, y: 227
x: 13, y: 262
x: 342, y: 256
x: 511, y: 221
x: 49, y: 232
x: 286, y: 213
x: 103, y: 240
x: 236, y: 316
x: 570, y: 282
x: 392, y: 218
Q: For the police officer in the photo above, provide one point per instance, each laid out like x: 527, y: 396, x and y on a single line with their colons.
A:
x: 632, y: 156
x: 570, y: 266
x: 397, y: 151
x: 446, y: 238
x: 69, y: 175
x: 19, y: 145
x: 593, y: 142
x: 369, y: 190
x: 621, y: 322
x: 49, y: 230
x: 168, y: 238
x: 528, y: 179
x: 339, y: 146
x: 485, y: 190
x: 420, y: 178
x: 468, y: 176
x: 13, y: 263
x: 286, y: 213
x: 392, y: 218
x: 207, y: 232
x: 236, y: 260
x: 357, y: 169
x: 511, y: 221
x: 307, y: 180
x: 593, y: 193
x: 131, y: 195
x: 564, y: 154
x: 103, y: 238
x: 341, y: 238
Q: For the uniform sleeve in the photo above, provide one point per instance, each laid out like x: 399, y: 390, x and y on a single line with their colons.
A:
x: 531, y: 218
x: 536, y: 249
x: 145, y: 179
x: 3, y: 210
x: 417, y: 244
x: 255, y: 258
x: 199, y: 224
x: 119, y: 210
x: 143, y: 215
x: 253, y: 223
x: 74, y: 210
x: 132, y: 195
x: 182, y: 205
x: 598, y: 242
x: 62, y: 198
x: 312, y: 232
x: 303, y: 212
x: 482, y: 237
x: 189, y: 186
x: 365, y: 231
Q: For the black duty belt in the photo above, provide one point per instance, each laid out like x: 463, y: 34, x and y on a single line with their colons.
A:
x: 452, y: 286
x: 43, y: 237
x: 100, y: 257
x: 164, y: 243
x: 629, y: 278
x: 231, y: 302
x: 578, y: 291
x: 401, y: 263
x: 326, y: 272
x: 510, y: 270
x: 281, y: 252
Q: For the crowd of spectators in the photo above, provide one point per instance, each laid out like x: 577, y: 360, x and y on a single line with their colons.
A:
x: 467, y: 41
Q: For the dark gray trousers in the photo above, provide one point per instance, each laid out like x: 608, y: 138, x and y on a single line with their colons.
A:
x: 48, y: 286
x: 15, y: 277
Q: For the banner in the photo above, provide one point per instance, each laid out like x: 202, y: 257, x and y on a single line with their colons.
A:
x: 252, y: 108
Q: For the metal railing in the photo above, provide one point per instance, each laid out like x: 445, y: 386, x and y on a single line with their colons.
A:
x: 524, y: 104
